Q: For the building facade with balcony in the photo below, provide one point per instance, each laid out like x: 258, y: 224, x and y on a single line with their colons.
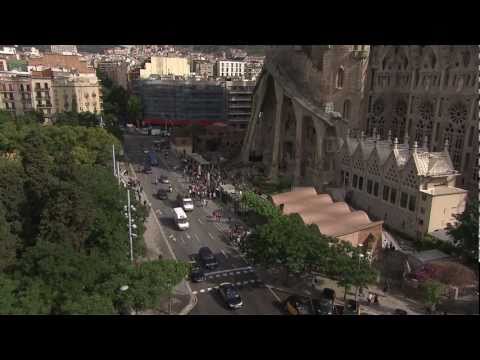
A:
x: 43, y: 94
x: 239, y: 102
x: 230, y: 69
x: 203, y: 68
x: 15, y: 92
x: 116, y: 71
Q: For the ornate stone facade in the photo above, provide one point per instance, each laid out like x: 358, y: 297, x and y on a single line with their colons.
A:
x: 410, y: 188
x: 305, y: 98
x: 427, y: 91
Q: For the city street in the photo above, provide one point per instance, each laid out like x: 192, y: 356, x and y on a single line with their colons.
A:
x: 202, y: 232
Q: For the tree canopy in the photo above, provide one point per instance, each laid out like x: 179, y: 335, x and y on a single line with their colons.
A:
x: 64, y: 245
x: 466, y: 233
x: 286, y: 242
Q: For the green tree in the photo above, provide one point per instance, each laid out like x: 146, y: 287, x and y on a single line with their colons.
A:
x: 134, y: 109
x: 466, y: 233
x: 8, y: 243
x: 432, y: 291
x: 150, y: 281
x: 7, y: 295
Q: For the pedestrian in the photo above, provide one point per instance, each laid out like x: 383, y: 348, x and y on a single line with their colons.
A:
x: 206, y: 202
x: 229, y: 219
x: 375, y: 299
x: 369, y: 298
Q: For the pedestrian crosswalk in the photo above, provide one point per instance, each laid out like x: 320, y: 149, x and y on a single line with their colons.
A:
x: 238, y: 283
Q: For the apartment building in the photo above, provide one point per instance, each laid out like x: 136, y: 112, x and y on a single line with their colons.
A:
x: 64, y: 49
x: 116, y: 71
x: 43, y: 93
x: 229, y: 68
x: 165, y: 65
x: 182, y: 102
x: 3, y: 64
x: 80, y: 93
x: 239, y: 102
x: 15, y: 92
x: 203, y: 68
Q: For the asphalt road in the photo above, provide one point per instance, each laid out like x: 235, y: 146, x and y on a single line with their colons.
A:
x: 258, y: 299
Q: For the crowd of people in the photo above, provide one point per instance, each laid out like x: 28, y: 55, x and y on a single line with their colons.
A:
x: 204, y: 185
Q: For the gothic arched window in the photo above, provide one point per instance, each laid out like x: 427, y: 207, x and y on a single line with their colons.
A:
x: 340, y: 78
x: 346, y: 110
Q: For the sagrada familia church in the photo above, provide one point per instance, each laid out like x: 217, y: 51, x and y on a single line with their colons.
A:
x: 394, y: 127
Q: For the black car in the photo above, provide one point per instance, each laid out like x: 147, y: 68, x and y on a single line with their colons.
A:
x: 329, y: 294
x: 323, y: 306
x: 230, y: 295
x: 147, y: 169
x: 162, y: 194
x: 196, y: 273
x: 207, y: 258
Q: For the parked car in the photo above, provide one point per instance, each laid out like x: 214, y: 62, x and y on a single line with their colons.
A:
x: 323, y: 306
x: 207, y: 258
x: 196, y: 273
x: 299, y: 305
x: 230, y: 295
x: 329, y: 294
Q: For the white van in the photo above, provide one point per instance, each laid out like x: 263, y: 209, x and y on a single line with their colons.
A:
x: 185, y: 203
x: 180, y: 218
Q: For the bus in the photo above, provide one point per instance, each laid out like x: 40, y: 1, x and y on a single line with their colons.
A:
x: 152, y: 158
x: 180, y: 218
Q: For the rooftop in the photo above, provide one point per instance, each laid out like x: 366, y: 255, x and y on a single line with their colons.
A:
x: 444, y: 190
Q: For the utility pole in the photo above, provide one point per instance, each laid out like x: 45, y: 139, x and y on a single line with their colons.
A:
x: 114, y: 162
x: 130, y: 226
x: 118, y: 172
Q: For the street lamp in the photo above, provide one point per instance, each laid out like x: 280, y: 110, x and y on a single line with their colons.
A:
x: 124, y: 288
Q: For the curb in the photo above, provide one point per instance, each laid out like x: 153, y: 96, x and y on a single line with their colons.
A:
x: 193, y: 298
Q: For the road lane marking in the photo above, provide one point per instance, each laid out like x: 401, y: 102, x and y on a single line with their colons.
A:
x: 194, y: 292
x: 200, y: 221
x: 202, y: 290
x: 274, y: 295
x: 196, y: 237
x: 209, y: 289
x: 211, y: 236
x: 188, y: 236
x: 224, y: 253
